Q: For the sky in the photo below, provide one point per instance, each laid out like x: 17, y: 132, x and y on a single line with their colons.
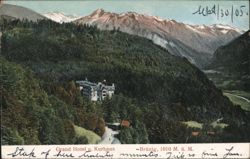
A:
x: 180, y: 10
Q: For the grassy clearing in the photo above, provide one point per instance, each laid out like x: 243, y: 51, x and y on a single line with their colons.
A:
x: 193, y: 124
x: 220, y: 125
x: 239, y: 101
x: 89, y: 135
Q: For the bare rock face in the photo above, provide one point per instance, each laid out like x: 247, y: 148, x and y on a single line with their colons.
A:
x: 195, y: 42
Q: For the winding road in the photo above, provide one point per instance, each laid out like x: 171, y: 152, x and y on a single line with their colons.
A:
x: 238, y: 97
x: 108, y: 137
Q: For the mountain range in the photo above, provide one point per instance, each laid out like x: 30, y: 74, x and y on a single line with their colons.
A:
x: 195, y: 42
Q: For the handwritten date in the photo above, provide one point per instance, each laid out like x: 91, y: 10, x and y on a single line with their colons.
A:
x: 222, y: 12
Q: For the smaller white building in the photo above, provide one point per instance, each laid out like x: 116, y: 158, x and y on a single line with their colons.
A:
x: 96, y: 91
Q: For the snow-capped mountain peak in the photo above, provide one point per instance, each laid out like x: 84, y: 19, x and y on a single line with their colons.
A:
x: 97, y: 13
x: 225, y: 28
x: 61, y: 17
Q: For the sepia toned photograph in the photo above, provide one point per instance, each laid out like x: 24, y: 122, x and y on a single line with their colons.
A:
x: 124, y: 72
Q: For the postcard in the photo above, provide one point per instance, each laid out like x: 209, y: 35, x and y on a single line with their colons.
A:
x: 125, y: 79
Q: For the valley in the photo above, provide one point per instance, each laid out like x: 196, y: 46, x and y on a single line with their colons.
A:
x: 230, y: 71
x: 229, y: 85
x: 43, y: 104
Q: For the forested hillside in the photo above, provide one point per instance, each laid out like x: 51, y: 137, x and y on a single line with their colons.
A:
x: 31, y: 116
x: 156, y: 91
